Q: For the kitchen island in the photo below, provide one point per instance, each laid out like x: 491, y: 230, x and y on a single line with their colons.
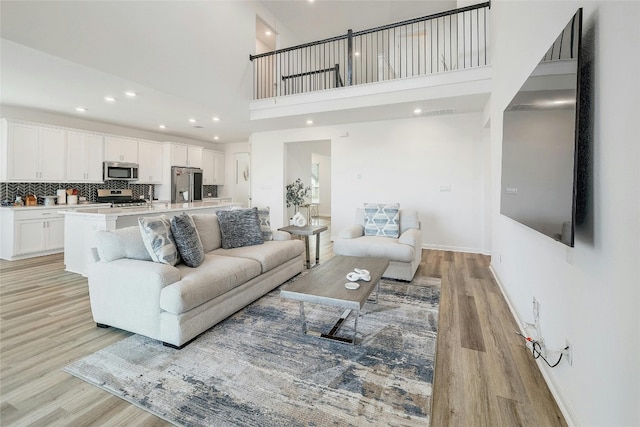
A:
x: 81, y: 226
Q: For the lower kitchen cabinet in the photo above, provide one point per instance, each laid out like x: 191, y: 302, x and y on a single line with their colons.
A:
x: 38, y: 235
x: 30, y: 232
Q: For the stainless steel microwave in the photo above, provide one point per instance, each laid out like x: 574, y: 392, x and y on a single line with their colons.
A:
x: 120, y: 171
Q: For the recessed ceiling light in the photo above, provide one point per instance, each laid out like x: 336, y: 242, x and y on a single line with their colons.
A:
x: 162, y: 126
x: 216, y: 137
x: 192, y: 120
x: 215, y: 119
x: 109, y: 99
x: 81, y: 109
x: 268, y: 32
x: 417, y: 111
x: 357, y: 53
x: 309, y: 122
x: 131, y: 94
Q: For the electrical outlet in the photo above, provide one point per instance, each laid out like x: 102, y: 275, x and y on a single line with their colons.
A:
x: 568, y: 353
x: 536, y: 309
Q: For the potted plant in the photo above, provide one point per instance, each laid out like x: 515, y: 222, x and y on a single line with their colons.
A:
x: 296, y: 194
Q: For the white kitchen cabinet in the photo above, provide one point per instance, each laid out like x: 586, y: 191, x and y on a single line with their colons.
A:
x: 151, y: 160
x: 212, y: 167
x: 32, y: 153
x: 185, y: 155
x: 194, y: 157
x: 118, y: 149
x: 38, y: 235
x: 33, y: 231
x: 84, y: 157
x: 208, y: 177
x: 218, y: 167
x: 28, y: 232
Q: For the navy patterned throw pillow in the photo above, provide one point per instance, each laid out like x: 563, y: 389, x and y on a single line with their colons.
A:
x: 187, y: 240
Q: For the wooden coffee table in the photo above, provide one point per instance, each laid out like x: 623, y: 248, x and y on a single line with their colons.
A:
x: 325, y: 285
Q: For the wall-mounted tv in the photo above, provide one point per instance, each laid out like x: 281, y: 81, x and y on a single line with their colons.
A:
x: 540, y: 141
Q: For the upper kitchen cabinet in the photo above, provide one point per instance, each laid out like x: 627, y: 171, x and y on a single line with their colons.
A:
x: 208, y: 177
x: 118, y: 149
x: 151, y: 161
x: 85, y: 153
x: 184, y: 155
x: 32, y: 153
x: 218, y: 167
x: 212, y: 167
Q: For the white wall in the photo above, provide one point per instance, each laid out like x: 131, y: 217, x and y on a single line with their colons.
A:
x: 406, y: 161
x: 590, y: 293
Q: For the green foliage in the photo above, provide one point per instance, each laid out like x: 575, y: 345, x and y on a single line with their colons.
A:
x: 296, y: 193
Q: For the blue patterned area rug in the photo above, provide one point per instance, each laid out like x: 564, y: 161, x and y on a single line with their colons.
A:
x: 256, y: 368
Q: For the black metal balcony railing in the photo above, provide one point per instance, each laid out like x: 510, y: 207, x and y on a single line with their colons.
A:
x: 451, y: 40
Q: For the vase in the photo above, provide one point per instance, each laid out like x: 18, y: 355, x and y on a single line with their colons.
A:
x: 299, y: 220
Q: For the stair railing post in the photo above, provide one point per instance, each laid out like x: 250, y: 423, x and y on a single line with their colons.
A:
x: 349, y: 57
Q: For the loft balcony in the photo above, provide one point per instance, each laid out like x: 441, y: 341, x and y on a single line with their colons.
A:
x: 441, y: 58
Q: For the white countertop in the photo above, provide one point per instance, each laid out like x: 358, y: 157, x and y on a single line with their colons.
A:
x: 56, y: 207
x: 102, y: 212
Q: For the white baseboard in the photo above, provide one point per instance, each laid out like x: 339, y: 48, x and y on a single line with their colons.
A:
x: 565, y: 407
x: 457, y: 249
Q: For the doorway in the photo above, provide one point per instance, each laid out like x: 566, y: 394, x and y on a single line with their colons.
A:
x: 311, y: 162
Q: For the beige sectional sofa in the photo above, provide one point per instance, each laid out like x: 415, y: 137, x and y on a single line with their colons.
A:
x: 174, y: 304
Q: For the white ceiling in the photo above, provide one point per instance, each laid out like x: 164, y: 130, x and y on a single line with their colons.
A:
x: 185, y: 59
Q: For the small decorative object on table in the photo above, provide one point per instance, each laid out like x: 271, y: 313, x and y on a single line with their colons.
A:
x: 296, y: 194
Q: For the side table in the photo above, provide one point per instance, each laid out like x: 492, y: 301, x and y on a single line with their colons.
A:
x: 306, y: 231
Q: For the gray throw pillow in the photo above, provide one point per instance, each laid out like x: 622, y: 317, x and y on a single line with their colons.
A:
x: 265, y: 223
x: 187, y: 240
x: 156, y: 233
x: 240, y: 227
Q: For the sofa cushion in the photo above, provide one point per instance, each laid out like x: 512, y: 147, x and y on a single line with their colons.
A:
x: 381, y: 219
x: 269, y: 255
x: 122, y: 243
x: 187, y: 240
x: 265, y: 223
x: 374, y: 246
x: 240, y: 227
x: 156, y: 234
x: 216, y: 275
x: 208, y: 230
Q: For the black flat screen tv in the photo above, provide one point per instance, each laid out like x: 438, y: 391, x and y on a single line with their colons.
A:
x: 540, y: 141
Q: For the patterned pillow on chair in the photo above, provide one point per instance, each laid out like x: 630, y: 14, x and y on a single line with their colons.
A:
x: 382, y: 219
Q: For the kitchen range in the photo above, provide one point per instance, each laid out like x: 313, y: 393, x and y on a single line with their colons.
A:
x: 119, y: 198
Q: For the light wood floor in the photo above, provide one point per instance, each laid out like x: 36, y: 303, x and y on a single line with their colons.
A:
x: 484, y: 376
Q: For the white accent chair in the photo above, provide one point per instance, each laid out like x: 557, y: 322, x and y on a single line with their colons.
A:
x: 404, y: 253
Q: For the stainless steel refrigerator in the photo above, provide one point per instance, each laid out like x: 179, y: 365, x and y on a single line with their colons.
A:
x: 186, y: 184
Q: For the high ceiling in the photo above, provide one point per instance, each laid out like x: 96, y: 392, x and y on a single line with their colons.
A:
x: 184, y: 59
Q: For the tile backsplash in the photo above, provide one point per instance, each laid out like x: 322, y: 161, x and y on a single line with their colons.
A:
x: 9, y: 190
